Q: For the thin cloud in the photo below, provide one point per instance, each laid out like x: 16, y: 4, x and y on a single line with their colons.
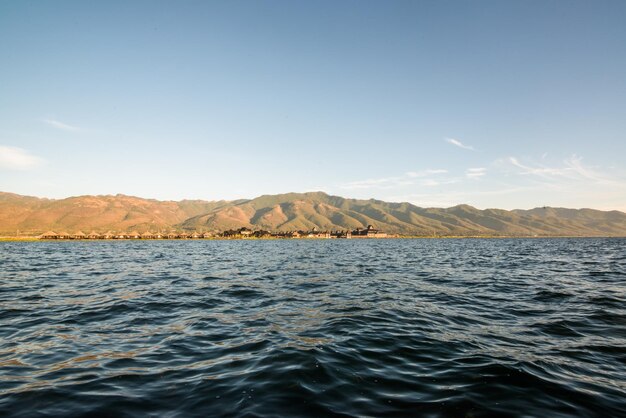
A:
x: 447, y: 198
x: 472, y: 173
x: 424, y: 173
x: 572, y: 169
x: 384, y: 182
x: 459, y: 144
x: 452, y: 198
x: 14, y: 158
x: 575, y: 164
x: 61, y: 125
x: 520, y: 182
x: 409, y: 178
x: 541, y: 171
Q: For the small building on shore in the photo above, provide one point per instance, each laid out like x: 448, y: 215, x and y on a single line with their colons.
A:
x: 79, y: 235
x: 369, y: 232
x: 242, y: 232
x: 314, y: 233
x: 261, y: 234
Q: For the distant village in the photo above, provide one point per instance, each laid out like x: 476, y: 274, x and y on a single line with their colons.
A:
x: 241, y: 233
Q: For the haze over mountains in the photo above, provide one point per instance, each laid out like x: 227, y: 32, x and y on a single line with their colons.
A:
x: 293, y: 211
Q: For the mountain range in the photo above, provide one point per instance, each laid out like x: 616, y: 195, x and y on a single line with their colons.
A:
x: 26, y: 215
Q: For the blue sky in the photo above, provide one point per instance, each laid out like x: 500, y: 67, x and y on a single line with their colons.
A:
x: 512, y: 104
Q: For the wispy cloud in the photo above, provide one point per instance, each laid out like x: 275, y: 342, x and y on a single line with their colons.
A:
x: 384, y: 182
x: 14, y: 158
x: 407, y: 179
x: 538, y: 170
x: 575, y: 164
x: 454, y: 197
x: 61, y: 125
x: 459, y: 144
x: 424, y: 173
x: 472, y: 173
x: 569, y: 183
x: 572, y: 168
x: 514, y: 182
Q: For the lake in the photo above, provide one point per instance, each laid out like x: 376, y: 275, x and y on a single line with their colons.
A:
x: 423, y: 327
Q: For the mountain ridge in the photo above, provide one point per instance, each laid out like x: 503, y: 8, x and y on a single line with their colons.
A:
x: 294, y: 211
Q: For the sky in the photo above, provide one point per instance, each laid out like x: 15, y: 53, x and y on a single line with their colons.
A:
x: 496, y: 104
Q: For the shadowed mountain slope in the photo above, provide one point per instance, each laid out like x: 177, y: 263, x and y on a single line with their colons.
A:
x: 295, y: 211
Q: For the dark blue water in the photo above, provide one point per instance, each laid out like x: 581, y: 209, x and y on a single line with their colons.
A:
x: 459, y: 328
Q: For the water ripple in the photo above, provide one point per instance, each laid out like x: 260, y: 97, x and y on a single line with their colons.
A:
x: 460, y: 328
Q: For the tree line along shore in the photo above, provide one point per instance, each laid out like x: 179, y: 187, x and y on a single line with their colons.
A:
x: 368, y: 232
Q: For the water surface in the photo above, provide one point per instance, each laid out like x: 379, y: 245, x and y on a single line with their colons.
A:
x: 459, y: 328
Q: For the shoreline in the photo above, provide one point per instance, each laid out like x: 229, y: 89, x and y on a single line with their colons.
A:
x: 37, y: 239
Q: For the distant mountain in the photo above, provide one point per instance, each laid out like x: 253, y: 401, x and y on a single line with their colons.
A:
x: 31, y: 215
x: 293, y: 211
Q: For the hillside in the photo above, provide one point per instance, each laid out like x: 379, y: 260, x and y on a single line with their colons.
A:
x: 294, y: 211
x: 33, y: 216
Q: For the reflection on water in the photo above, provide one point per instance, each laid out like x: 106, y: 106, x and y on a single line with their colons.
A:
x: 464, y: 328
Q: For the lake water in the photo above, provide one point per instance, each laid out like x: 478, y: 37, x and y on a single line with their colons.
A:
x: 458, y: 328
